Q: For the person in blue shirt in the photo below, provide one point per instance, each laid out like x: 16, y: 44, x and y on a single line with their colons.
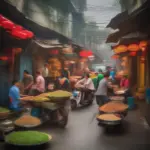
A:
x: 14, y: 97
x: 112, y: 74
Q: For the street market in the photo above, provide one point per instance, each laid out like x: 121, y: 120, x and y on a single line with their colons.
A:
x: 69, y: 81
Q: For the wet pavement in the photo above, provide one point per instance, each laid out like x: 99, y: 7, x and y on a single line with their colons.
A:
x: 83, y: 133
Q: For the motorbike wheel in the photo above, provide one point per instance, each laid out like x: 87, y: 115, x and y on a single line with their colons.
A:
x: 91, y: 99
x: 73, y: 104
x: 63, y: 122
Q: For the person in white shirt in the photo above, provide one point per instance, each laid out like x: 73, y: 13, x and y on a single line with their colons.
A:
x: 39, y: 86
x: 86, y: 85
x: 45, y: 74
x: 45, y: 71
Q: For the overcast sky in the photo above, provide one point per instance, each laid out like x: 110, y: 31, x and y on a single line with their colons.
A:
x: 102, y: 11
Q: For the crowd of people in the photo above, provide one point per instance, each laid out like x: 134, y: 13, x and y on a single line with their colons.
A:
x: 40, y: 84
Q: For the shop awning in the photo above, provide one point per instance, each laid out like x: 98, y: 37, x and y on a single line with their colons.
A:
x: 16, y: 16
x: 130, y: 38
x: 45, y: 45
x: 137, y: 21
x: 117, y: 20
x: 13, y: 42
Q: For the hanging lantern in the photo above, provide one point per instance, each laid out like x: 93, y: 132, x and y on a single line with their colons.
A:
x: 17, y: 27
x: 4, y: 58
x: 115, y: 56
x: 85, y: 53
x: 132, y: 53
x: 120, y: 49
x: 143, y: 45
x: 29, y: 33
x: 7, y: 24
x: 17, y: 50
x: 133, y: 47
x: 2, y: 19
x: 89, y: 53
x: 19, y: 34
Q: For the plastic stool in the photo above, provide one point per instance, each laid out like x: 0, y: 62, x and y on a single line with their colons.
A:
x: 130, y: 101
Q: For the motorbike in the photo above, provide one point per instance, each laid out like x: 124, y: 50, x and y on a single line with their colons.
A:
x: 78, y: 99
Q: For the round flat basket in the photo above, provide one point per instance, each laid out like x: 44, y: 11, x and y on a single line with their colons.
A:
x: 27, y: 126
x: 31, y: 122
x: 113, y: 107
x: 29, y: 145
x: 109, y: 122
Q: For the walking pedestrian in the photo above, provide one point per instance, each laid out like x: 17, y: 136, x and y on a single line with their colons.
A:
x: 101, y: 93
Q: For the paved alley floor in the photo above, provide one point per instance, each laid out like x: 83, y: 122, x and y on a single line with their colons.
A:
x: 83, y: 133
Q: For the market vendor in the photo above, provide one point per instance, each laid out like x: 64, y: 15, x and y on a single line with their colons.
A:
x: 101, y: 93
x: 14, y: 96
x: 39, y: 86
x: 124, y: 83
x: 64, y: 82
x: 45, y: 73
x: 86, y: 85
x: 100, y: 76
x: 27, y: 81
x: 66, y: 73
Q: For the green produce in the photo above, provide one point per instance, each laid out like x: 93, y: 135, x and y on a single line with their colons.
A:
x: 27, y: 138
x: 4, y: 110
x: 60, y: 94
x: 40, y: 99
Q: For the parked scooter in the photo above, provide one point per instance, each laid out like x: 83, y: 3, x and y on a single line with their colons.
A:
x: 78, y: 99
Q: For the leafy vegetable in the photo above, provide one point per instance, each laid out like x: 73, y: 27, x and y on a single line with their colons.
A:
x: 60, y: 94
x: 27, y: 138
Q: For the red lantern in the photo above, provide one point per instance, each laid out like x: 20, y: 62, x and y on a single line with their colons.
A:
x: 7, y: 24
x: 132, y: 53
x: 133, y: 47
x: 29, y: 33
x: 4, y: 58
x: 120, y: 49
x: 17, y: 27
x: 19, y: 34
x: 115, y: 56
x: 89, y: 53
x: 143, y: 44
x: 2, y: 19
x: 85, y: 53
